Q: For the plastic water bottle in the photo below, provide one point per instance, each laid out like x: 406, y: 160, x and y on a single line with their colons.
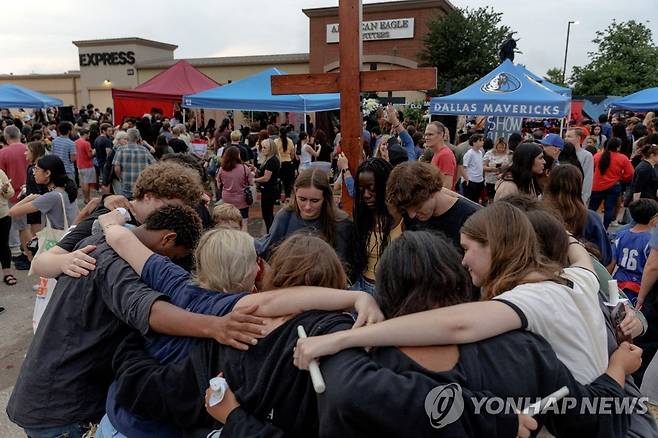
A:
x: 97, y: 228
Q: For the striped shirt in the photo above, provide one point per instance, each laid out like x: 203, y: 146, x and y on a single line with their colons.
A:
x: 64, y: 148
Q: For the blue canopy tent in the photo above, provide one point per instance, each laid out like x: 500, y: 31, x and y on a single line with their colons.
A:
x: 254, y: 93
x: 565, y: 91
x: 643, y: 100
x: 14, y: 96
x: 505, y: 91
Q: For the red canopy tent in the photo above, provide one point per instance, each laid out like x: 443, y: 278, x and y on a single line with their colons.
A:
x: 162, y: 91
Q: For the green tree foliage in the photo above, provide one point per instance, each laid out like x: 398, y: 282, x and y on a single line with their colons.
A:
x: 554, y: 75
x: 626, y: 61
x: 463, y: 46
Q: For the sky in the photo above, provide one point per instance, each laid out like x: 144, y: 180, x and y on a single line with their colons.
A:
x: 206, y: 28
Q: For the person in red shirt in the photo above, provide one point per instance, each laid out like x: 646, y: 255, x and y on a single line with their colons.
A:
x: 14, y: 164
x: 611, y: 168
x: 84, y: 160
x: 443, y: 157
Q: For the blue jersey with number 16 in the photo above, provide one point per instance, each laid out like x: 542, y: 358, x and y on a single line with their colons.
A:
x: 631, y: 251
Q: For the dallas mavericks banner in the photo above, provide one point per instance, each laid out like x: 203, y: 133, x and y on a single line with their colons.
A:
x: 505, y: 91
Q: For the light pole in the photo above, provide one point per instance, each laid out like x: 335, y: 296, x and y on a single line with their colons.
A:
x: 566, y: 50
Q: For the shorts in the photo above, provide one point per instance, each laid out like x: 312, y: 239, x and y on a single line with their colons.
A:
x: 34, y: 218
x: 87, y: 176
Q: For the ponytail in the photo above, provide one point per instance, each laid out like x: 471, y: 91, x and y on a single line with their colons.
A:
x: 71, y: 189
x: 611, y: 146
x: 283, y: 136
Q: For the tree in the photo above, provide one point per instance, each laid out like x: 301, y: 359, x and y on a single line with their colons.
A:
x: 625, y: 61
x: 463, y: 46
x: 554, y: 75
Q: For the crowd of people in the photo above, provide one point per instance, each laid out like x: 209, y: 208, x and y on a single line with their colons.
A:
x: 483, y: 264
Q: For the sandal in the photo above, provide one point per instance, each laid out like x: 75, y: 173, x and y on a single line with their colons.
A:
x: 9, y: 280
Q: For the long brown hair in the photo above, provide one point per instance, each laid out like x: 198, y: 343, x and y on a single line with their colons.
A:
x: 515, y: 251
x: 304, y: 260
x: 317, y: 178
x: 564, y: 195
x: 231, y: 158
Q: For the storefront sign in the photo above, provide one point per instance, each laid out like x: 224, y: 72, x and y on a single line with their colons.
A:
x: 395, y: 29
x: 107, y: 58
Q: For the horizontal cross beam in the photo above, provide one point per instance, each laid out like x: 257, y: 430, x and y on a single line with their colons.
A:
x: 371, y: 81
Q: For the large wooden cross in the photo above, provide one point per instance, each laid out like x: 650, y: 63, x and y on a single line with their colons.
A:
x: 351, y: 81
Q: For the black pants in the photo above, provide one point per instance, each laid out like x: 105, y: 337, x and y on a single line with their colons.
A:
x: 5, y: 252
x: 267, y: 199
x: 491, y: 191
x: 473, y: 190
x: 287, y: 177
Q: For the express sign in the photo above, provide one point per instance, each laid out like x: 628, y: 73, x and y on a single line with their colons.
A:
x: 107, y: 58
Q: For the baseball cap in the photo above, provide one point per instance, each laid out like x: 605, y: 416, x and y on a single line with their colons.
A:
x: 553, y: 140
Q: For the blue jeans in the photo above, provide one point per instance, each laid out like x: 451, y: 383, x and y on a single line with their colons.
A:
x: 363, y: 285
x: 68, y: 431
x: 107, y: 430
x: 609, y: 198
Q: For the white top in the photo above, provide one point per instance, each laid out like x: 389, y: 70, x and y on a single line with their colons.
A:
x: 473, y: 165
x: 569, y: 318
x: 495, y: 160
x: 305, y: 157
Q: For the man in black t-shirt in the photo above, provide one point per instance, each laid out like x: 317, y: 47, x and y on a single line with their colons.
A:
x: 246, y: 155
x: 159, y: 184
x: 416, y: 190
x: 103, y: 148
x: 178, y: 145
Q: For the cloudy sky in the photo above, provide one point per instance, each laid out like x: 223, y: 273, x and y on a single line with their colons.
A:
x: 37, y: 36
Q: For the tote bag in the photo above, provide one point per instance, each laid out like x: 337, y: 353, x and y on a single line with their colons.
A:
x: 47, y: 237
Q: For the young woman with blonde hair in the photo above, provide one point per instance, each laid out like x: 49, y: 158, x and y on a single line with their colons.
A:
x: 494, y: 161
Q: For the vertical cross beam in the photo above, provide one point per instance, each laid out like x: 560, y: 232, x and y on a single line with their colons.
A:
x: 350, y: 47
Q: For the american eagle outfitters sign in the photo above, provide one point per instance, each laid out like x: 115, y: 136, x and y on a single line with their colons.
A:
x: 394, y: 29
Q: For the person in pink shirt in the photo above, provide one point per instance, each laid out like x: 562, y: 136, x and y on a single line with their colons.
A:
x: 234, y: 178
x: 14, y: 164
x: 84, y: 160
x: 443, y: 157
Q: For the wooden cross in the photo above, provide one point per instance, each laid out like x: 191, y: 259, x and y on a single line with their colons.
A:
x: 350, y: 82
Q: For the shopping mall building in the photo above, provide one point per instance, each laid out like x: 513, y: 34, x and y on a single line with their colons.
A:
x: 393, y: 35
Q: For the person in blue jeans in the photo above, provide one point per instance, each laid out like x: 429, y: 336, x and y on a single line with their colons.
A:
x: 611, y: 168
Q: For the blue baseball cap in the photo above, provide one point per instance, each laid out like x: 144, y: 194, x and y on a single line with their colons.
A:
x: 553, y: 140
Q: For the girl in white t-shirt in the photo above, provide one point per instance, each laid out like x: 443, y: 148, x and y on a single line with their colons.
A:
x: 308, y: 152
x: 521, y: 289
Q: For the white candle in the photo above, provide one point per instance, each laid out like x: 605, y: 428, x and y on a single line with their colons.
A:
x: 613, y: 292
